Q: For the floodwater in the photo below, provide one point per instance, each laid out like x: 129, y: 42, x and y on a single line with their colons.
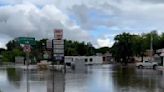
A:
x: 99, y: 78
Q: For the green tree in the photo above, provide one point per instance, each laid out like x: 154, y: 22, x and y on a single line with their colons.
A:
x: 1, y: 50
x: 103, y: 50
x: 123, y: 47
x: 74, y: 48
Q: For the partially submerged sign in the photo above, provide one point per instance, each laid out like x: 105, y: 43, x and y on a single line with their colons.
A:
x: 26, y: 40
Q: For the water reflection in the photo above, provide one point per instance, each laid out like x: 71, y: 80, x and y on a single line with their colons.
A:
x: 134, y: 80
x: 99, y: 78
x: 55, y: 81
x: 14, y: 76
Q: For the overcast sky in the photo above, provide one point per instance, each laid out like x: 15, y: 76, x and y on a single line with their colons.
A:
x: 97, y: 21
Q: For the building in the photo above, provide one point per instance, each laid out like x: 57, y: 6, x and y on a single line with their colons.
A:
x: 87, y: 59
x: 160, y: 53
x: 107, y: 58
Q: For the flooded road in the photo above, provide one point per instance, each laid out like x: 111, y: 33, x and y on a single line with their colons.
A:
x: 100, y: 78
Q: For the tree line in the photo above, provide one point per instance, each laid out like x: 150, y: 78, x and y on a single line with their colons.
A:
x: 71, y: 48
x: 127, y: 45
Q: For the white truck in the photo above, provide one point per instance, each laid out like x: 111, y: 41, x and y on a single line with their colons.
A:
x: 147, y: 64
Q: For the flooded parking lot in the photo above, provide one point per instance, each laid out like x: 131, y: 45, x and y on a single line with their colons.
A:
x: 99, y: 78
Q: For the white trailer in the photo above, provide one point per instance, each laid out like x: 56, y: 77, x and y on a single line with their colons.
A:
x: 89, y: 60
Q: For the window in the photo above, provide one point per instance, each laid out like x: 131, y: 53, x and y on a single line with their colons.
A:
x: 86, y: 60
x: 104, y: 59
x: 90, y: 59
x: 146, y: 61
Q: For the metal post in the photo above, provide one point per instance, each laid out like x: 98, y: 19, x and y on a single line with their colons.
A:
x: 27, y: 70
x: 53, y: 75
x: 151, y: 46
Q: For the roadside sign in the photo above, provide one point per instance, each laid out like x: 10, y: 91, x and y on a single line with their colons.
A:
x: 58, y: 42
x: 45, y: 56
x: 49, y: 44
x: 26, y: 40
x: 27, y: 48
x: 59, y: 58
x: 62, y: 55
x: 60, y: 51
x: 58, y: 34
x: 58, y: 46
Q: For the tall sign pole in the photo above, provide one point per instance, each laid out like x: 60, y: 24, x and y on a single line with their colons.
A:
x: 27, y: 50
x: 58, y: 46
x: 27, y: 42
x: 151, y: 46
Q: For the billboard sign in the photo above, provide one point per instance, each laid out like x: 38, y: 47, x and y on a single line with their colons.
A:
x: 58, y: 34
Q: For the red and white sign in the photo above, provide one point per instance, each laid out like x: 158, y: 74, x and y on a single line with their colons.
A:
x: 58, y: 34
x: 27, y: 48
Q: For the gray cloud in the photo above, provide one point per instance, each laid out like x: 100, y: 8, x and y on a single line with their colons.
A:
x: 39, y: 17
x: 90, y: 17
x: 28, y: 20
x: 153, y: 1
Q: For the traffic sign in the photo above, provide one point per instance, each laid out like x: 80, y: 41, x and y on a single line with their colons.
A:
x: 59, y: 51
x: 27, y: 48
x: 58, y: 34
x: 58, y: 55
x: 26, y: 40
x: 59, y: 58
x: 58, y: 42
x: 49, y: 44
x: 58, y: 46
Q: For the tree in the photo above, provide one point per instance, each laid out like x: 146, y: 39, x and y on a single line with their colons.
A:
x: 1, y: 50
x: 12, y: 44
x: 103, y: 50
x: 9, y: 56
x: 123, y: 47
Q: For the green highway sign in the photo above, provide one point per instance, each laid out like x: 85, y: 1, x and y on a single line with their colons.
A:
x: 26, y: 40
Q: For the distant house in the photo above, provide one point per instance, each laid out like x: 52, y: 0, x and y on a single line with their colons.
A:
x: 148, y: 55
x: 107, y: 57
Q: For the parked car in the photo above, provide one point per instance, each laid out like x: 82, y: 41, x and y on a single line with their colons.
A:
x: 147, y: 64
